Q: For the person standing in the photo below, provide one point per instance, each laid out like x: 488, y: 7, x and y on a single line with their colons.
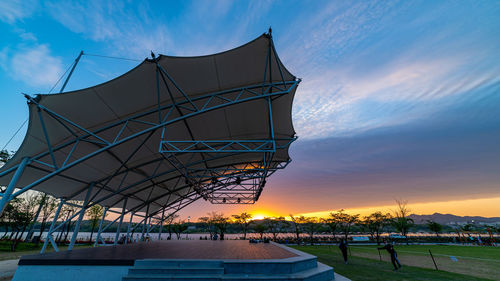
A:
x: 394, y: 256
x: 343, y: 249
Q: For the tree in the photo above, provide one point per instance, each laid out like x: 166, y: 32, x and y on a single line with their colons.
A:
x: 296, y: 223
x: 47, y: 212
x: 310, y: 224
x: 24, y: 212
x: 179, y: 227
x: 375, y: 224
x: 169, y: 221
x: 21, y: 217
x: 332, y: 223
x: 345, y: 221
x: 434, y: 227
x: 220, y: 222
x: 94, y: 213
x: 216, y: 222
x: 467, y: 227
x: 244, y: 220
x: 208, y: 224
x: 401, y: 221
x: 274, y: 225
x: 5, y: 156
x: 261, y: 229
x: 7, y: 218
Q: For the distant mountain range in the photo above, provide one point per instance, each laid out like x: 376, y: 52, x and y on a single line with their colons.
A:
x: 448, y: 219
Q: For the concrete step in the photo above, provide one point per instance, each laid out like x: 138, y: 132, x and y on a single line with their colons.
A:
x: 180, y: 263
x: 146, y: 270
x: 269, y: 266
x: 168, y: 277
x: 320, y: 273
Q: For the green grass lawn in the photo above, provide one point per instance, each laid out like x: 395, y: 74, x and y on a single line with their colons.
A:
x: 26, y: 249
x: 364, y: 263
x: 479, y: 252
x: 470, y: 260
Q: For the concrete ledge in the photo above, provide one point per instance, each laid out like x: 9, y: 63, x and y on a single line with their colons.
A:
x: 70, y: 273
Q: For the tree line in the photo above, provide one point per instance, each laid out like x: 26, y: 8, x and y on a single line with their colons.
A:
x: 338, y: 224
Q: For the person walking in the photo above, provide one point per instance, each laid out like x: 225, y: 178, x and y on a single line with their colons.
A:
x: 394, y: 256
x: 343, y: 249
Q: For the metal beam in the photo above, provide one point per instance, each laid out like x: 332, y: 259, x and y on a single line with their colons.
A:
x: 80, y: 217
x: 49, y: 233
x: 100, y: 226
x: 121, y: 220
x: 161, y: 224
x: 71, y: 72
x: 6, y: 196
x: 128, y: 227
x: 225, y: 146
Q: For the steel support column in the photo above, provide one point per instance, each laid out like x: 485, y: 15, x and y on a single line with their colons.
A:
x: 120, y: 222
x: 71, y: 72
x: 100, y: 226
x: 161, y: 224
x: 49, y: 234
x: 129, y: 226
x: 148, y: 228
x: 12, y: 185
x: 80, y: 217
x: 145, y: 222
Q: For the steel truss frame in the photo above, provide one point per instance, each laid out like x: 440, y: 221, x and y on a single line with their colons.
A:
x: 230, y: 184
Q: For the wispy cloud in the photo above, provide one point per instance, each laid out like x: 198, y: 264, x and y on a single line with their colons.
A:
x: 364, y: 65
x: 16, y: 10
x: 126, y: 30
x: 337, y: 103
x: 90, y: 18
x: 35, y: 65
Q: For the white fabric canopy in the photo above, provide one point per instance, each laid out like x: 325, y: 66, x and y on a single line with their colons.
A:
x: 96, y: 108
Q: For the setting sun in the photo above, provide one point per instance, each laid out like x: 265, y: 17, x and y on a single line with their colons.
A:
x: 258, y: 217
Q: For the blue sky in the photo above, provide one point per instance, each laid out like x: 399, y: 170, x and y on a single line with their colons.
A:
x: 398, y: 99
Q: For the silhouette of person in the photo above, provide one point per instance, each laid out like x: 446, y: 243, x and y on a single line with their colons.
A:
x: 343, y: 249
x: 394, y: 256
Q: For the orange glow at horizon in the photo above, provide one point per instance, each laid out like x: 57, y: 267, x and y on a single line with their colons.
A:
x: 261, y: 214
x: 486, y: 207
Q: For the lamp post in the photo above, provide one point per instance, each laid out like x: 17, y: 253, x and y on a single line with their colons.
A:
x: 187, y: 229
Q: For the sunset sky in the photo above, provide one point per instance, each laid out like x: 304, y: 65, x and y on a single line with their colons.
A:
x: 399, y: 99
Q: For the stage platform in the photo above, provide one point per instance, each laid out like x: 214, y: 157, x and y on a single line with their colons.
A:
x: 175, y: 260
x: 169, y: 249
